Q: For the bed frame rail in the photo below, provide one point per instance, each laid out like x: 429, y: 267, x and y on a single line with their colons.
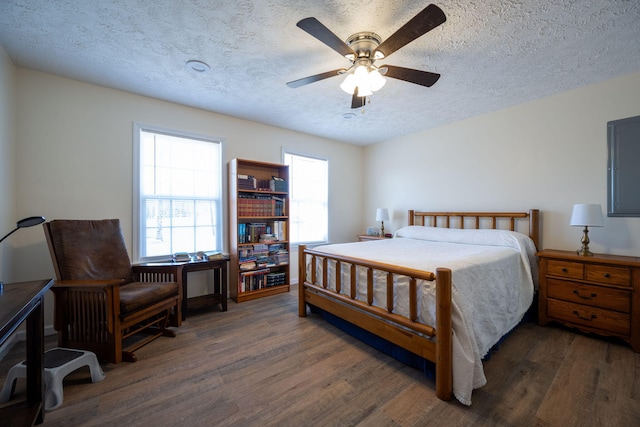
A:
x: 405, y: 332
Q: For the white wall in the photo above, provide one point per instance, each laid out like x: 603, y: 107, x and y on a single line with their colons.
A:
x: 73, y: 152
x: 547, y: 154
x: 74, y: 158
x: 8, y: 209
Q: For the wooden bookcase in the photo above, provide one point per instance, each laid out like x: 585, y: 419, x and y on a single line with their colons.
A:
x: 258, y: 229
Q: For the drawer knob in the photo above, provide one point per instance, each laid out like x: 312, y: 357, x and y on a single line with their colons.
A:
x: 607, y: 275
x: 591, y: 296
x: 564, y: 269
x: 589, y: 319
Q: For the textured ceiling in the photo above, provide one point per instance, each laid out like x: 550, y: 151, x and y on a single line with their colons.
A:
x: 492, y: 54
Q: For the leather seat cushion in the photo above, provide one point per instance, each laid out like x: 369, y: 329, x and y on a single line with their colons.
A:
x: 137, y: 295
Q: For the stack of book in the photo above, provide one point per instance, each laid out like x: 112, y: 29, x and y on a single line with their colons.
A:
x: 259, y: 232
x: 246, y: 182
x: 253, y: 280
x: 260, y: 205
x: 181, y: 257
x: 276, y: 279
x: 263, y: 185
x: 278, y: 184
x: 210, y: 255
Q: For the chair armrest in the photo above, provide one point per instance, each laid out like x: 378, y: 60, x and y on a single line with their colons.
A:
x: 88, y: 283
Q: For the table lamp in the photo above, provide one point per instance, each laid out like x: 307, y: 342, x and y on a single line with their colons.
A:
x: 382, y: 215
x: 586, y: 215
x: 23, y: 223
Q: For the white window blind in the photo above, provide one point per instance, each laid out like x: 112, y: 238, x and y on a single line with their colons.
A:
x: 309, y: 194
x: 179, y: 201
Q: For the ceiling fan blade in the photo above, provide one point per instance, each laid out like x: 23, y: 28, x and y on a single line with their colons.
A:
x: 425, y: 21
x: 422, y: 78
x: 314, y: 78
x: 322, y: 33
x: 358, y: 101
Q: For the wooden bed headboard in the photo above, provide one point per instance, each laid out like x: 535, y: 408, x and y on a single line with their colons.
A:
x: 478, y: 220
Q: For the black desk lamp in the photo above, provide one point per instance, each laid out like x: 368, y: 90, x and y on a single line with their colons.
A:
x: 23, y: 223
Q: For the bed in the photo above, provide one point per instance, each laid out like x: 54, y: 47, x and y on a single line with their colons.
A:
x: 447, y: 288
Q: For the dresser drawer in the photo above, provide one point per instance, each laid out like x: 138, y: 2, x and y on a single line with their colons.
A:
x: 591, y: 317
x: 569, y: 269
x: 595, y: 296
x: 608, y: 274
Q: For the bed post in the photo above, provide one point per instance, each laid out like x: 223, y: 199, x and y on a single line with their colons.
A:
x: 411, y: 217
x: 444, y: 335
x: 302, y: 277
x: 534, y: 227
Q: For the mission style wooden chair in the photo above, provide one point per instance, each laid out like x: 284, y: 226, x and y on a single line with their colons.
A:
x: 101, y: 300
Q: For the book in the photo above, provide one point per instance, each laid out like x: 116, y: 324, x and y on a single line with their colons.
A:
x: 181, y: 257
x: 209, y: 255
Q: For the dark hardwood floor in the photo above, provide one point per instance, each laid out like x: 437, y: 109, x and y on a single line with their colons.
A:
x: 260, y: 364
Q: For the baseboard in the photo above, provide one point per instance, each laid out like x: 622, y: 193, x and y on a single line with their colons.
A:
x: 20, y: 336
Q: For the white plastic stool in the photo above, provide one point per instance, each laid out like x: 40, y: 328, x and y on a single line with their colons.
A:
x: 58, y: 363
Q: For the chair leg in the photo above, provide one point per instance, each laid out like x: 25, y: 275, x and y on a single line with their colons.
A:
x: 129, y: 356
x: 162, y: 331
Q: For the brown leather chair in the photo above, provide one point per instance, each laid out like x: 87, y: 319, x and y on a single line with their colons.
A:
x: 101, y: 300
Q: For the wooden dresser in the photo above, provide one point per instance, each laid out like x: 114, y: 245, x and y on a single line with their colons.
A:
x: 599, y: 293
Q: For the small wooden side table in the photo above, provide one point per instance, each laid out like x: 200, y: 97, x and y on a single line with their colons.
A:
x: 364, y: 238
x: 220, y: 286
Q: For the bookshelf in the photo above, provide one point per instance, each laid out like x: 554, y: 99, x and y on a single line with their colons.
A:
x: 258, y: 229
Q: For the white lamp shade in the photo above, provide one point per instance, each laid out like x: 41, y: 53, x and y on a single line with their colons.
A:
x: 376, y: 80
x: 587, y: 215
x: 349, y: 84
x: 382, y: 214
x: 366, y: 81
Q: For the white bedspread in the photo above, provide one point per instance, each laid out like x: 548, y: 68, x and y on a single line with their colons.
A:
x: 493, y: 274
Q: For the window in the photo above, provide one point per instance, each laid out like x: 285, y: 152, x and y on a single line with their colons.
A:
x: 309, y: 194
x: 177, y: 192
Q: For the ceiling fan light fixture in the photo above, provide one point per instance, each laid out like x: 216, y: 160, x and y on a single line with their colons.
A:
x: 376, y: 81
x: 367, y: 79
x: 349, y: 84
x: 361, y: 72
x: 363, y: 49
x: 364, y: 90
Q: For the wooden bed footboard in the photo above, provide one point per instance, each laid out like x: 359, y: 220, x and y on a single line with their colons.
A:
x: 432, y: 342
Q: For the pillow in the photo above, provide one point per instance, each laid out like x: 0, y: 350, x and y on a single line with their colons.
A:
x: 489, y: 237
x: 467, y: 236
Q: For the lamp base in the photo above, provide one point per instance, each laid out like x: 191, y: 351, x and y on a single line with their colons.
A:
x: 584, y: 251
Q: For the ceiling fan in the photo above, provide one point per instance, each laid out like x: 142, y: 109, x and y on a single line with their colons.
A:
x: 364, y: 48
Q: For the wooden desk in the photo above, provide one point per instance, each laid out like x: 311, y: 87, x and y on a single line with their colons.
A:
x: 19, y: 302
x: 219, y: 295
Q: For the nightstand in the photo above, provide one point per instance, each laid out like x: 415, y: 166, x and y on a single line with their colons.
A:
x: 364, y: 238
x: 599, y: 293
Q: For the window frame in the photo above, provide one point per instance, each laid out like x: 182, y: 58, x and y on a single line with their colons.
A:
x: 137, y: 196
x: 299, y: 153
